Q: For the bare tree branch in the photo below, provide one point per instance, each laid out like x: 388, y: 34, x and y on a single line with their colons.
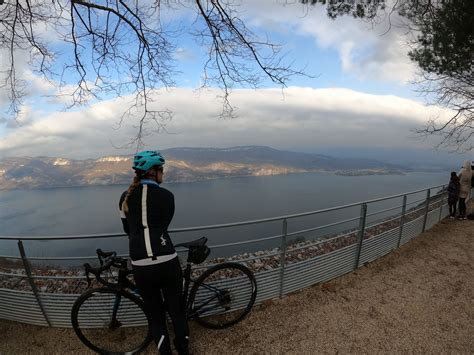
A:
x: 119, y: 47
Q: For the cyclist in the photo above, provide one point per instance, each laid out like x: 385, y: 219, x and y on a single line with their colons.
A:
x: 146, y: 210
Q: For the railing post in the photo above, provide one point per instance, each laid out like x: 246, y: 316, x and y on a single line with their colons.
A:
x: 402, y: 220
x: 283, y: 255
x: 441, y: 204
x: 363, y: 216
x: 27, y: 267
x: 426, y: 209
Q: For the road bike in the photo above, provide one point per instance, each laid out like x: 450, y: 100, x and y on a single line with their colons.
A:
x: 112, y: 320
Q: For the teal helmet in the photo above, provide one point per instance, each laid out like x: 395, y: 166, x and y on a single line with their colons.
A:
x: 146, y: 160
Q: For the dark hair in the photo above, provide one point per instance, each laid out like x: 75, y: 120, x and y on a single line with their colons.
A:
x: 454, y: 177
x: 136, y: 181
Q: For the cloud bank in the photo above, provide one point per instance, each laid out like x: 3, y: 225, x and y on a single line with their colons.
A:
x: 297, y: 118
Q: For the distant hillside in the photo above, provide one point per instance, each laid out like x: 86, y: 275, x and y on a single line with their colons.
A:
x: 183, y: 164
x: 267, y: 155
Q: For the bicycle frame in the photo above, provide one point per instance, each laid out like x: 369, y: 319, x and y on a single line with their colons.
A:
x: 125, y: 283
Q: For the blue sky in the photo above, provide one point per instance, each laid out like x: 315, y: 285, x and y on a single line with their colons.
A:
x: 360, y: 97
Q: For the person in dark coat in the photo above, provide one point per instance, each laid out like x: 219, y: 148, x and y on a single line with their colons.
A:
x: 453, y: 194
x: 146, y: 210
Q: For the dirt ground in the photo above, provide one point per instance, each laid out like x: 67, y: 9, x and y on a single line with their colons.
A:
x: 418, y: 299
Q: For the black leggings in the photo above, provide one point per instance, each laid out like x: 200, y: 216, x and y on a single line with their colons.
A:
x: 161, y: 287
x: 452, y: 208
x: 462, y: 207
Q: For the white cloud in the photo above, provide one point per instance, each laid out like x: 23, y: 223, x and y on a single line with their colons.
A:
x: 300, y: 118
x: 184, y: 54
x: 365, y: 50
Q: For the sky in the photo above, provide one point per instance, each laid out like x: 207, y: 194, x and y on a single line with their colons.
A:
x: 358, y: 97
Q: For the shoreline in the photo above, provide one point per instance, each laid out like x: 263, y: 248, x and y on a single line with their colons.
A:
x: 349, y: 173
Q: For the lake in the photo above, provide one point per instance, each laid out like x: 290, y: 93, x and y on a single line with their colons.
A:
x: 94, y: 210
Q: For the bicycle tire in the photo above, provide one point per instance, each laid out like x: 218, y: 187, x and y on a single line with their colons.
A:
x: 92, y: 320
x: 222, y: 296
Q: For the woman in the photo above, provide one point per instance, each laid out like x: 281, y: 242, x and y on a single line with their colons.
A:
x: 465, y: 176
x: 453, y: 194
x: 146, y: 210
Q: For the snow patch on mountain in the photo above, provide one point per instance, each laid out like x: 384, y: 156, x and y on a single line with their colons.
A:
x: 113, y: 159
x: 61, y: 161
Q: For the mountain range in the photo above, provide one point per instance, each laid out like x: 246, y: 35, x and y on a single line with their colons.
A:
x: 183, y: 164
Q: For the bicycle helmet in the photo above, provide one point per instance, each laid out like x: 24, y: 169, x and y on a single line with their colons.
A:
x: 147, y: 159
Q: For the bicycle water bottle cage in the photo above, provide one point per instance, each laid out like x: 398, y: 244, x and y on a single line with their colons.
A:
x: 197, y: 254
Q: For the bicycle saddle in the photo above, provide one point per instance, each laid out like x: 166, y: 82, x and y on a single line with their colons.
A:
x: 194, y: 243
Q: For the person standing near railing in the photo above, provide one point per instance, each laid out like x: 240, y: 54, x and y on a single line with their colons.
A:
x: 146, y: 210
x: 465, y: 176
x: 453, y: 194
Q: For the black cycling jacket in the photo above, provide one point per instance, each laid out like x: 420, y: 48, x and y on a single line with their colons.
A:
x: 150, y: 211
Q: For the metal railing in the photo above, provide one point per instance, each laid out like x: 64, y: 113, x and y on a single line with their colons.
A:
x: 321, y: 245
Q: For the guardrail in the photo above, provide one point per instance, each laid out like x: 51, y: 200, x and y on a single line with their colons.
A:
x: 310, y: 248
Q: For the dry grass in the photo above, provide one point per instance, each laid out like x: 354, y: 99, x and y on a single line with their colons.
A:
x: 418, y: 299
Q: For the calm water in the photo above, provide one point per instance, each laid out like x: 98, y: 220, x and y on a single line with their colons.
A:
x: 94, y: 210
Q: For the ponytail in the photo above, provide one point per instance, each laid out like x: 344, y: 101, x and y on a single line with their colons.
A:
x: 133, y: 186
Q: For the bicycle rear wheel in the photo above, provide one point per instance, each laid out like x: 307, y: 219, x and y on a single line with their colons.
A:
x: 111, y: 321
x: 222, y: 296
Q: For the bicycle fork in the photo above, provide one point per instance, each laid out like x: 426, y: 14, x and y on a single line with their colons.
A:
x: 187, y: 278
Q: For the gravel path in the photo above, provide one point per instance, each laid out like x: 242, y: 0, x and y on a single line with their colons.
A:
x: 418, y: 299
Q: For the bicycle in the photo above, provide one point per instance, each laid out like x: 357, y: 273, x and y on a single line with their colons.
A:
x: 112, y: 318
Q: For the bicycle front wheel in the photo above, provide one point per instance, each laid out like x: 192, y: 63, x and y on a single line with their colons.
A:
x: 222, y: 296
x: 111, y: 321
